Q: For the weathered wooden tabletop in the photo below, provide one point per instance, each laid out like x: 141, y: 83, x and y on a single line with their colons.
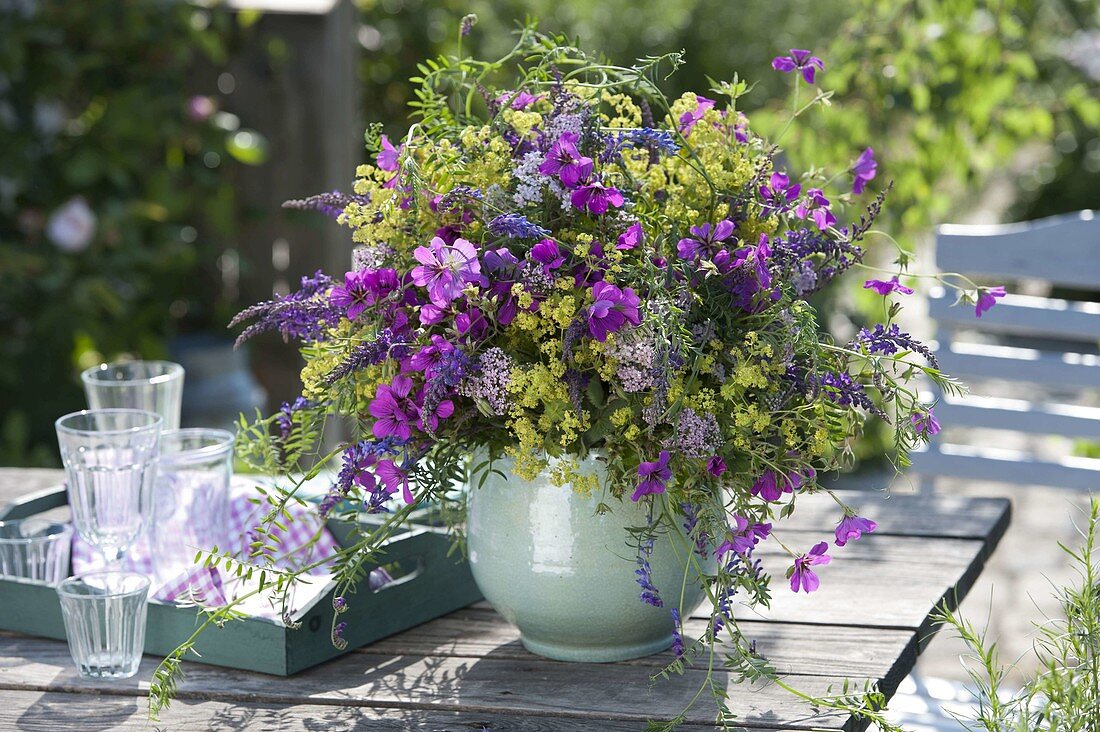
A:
x: 468, y: 671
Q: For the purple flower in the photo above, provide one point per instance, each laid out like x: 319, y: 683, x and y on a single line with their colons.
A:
x: 863, y: 170
x: 886, y: 287
x: 925, y: 422
x: 851, y: 527
x: 677, y: 634
x: 431, y: 414
x: 716, y: 466
x: 566, y: 162
x: 650, y: 595
x: 649, y: 138
x: 201, y: 108
x: 987, y: 298
x: 445, y: 269
x: 612, y: 309
x: 688, y: 120
x: 743, y: 536
x: 548, y: 254
x: 799, y: 60
x: 890, y: 340
x: 353, y: 296
x: 394, y: 478
x: 393, y: 410
x: 596, y: 198
x: 802, y: 577
x: 430, y: 355
x: 779, y: 194
x: 516, y: 226
x: 771, y: 486
x: 388, y: 155
x: 816, y: 207
x: 520, y: 99
x: 632, y: 237
x: 703, y: 238
x: 654, y: 475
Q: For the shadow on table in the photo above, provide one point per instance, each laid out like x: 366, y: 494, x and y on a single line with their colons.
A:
x: 100, y: 713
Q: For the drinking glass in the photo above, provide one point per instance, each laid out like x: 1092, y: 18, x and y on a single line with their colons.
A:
x: 110, y: 458
x: 152, y: 386
x: 191, y: 497
x: 35, y: 548
x: 104, y: 616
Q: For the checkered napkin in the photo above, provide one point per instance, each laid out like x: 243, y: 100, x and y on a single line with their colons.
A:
x: 207, y: 585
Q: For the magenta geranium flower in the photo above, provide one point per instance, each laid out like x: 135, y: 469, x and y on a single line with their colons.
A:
x: 655, y: 476
x: 393, y: 479
x: 863, y: 170
x: 353, y: 296
x: 445, y: 269
x: 548, y: 254
x: 987, y: 298
x: 393, y: 410
x: 743, y: 536
x: 799, y: 60
x: 716, y: 466
x: 612, y: 309
x: 816, y: 207
x: 704, y: 238
x: 596, y: 198
x: 429, y: 355
x: 851, y: 527
x: 885, y: 287
x: 688, y: 120
x: 430, y: 416
x: 387, y: 159
x: 779, y: 193
x: 632, y: 237
x: 802, y: 577
x: 566, y: 162
x: 925, y: 422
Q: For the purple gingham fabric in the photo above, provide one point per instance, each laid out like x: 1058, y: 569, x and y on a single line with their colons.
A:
x: 205, y: 585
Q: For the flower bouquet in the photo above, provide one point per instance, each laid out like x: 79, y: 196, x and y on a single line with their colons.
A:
x: 572, y: 283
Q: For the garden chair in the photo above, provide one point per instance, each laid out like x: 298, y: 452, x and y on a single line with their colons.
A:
x: 1030, y: 362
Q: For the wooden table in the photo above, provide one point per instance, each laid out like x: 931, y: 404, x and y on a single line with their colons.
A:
x: 468, y: 671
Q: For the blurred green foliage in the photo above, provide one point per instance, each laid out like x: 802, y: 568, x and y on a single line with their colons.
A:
x: 115, y: 196
x: 948, y: 92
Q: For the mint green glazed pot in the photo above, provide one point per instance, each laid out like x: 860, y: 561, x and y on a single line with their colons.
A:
x: 564, y: 575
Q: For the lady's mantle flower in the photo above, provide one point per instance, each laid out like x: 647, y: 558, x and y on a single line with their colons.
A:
x: 445, y: 269
x: 925, y: 422
x: 596, y: 198
x: 612, y: 309
x: 393, y: 410
x: 816, y: 206
x: 703, y: 238
x: 802, y: 577
x: 654, y: 475
x: 799, y: 60
x: 886, y: 287
x: 688, y: 120
x: 851, y: 527
x: 987, y: 298
x: 863, y: 170
x: 779, y: 193
x: 566, y: 162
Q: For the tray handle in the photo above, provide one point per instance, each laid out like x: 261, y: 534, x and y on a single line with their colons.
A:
x: 32, y: 503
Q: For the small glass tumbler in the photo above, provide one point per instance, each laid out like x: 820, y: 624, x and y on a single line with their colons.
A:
x: 191, y: 498
x: 36, y: 549
x: 110, y: 458
x: 152, y: 386
x: 104, y: 616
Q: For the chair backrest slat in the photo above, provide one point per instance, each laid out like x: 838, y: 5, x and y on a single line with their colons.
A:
x: 1061, y: 338
x: 1062, y: 250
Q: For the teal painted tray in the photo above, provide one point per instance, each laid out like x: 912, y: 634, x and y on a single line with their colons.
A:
x: 427, y: 584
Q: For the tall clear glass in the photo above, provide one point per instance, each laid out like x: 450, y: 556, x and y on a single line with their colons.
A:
x: 36, y: 549
x: 191, y: 498
x: 104, y: 616
x: 152, y: 386
x: 110, y: 458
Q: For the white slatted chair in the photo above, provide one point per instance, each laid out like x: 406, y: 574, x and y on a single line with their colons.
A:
x: 1042, y: 351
